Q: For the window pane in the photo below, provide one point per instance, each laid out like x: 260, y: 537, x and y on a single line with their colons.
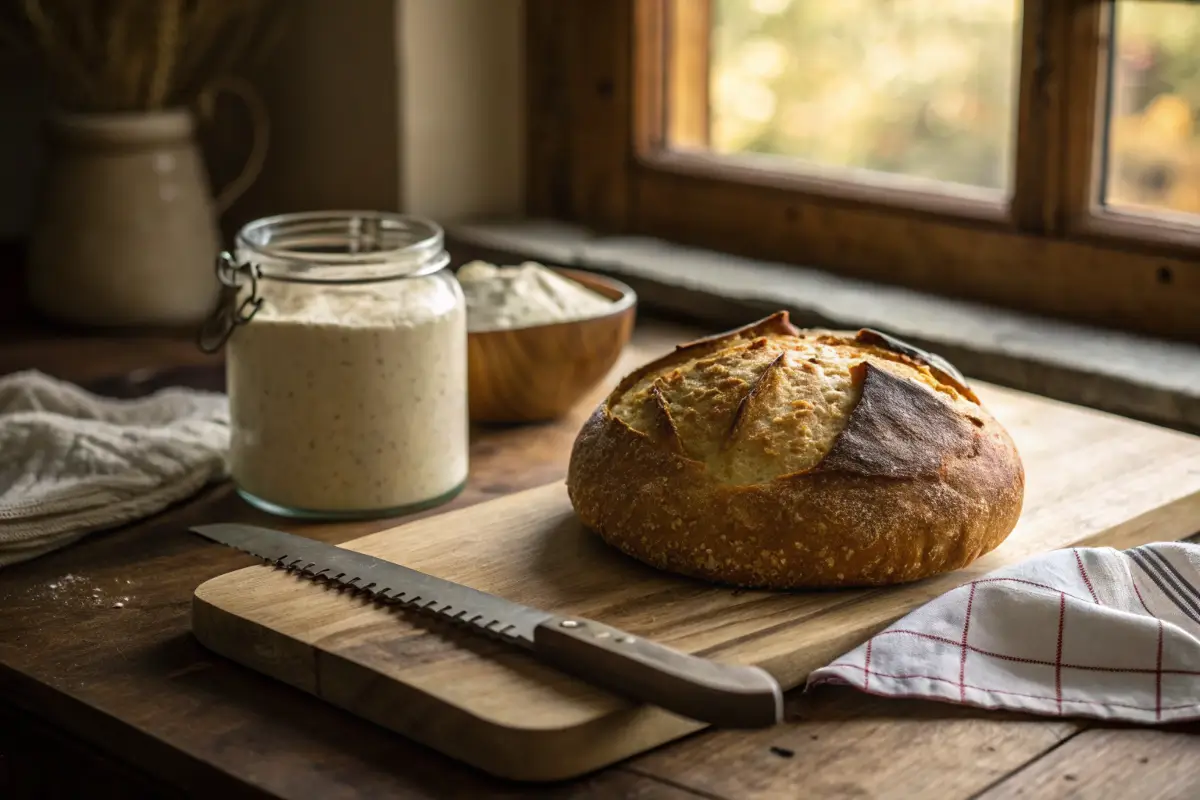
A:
x: 1154, y: 107
x: 921, y: 88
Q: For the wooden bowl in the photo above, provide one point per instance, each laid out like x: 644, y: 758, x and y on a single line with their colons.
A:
x: 540, y: 372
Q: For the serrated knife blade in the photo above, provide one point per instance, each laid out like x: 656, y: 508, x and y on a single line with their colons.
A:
x: 383, y: 580
x: 726, y: 695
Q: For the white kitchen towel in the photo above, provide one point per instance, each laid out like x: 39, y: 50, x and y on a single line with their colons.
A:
x: 72, y: 462
x: 1087, y: 632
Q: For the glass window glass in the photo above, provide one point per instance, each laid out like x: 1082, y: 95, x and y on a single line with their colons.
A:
x: 920, y: 88
x: 1153, y: 134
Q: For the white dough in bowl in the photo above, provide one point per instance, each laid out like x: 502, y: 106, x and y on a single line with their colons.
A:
x: 520, y: 296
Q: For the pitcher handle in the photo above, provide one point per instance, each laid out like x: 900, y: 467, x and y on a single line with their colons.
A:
x: 260, y: 132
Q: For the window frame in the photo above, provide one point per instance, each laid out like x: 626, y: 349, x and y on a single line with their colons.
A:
x: 596, y: 155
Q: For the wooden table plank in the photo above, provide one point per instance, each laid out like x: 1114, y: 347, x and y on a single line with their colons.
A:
x: 135, y: 682
x: 135, y: 685
x: 1147, y: 764
x: 841, y: 743
x: 32, y: 756
x: 390, y: 669
x: 86, y: 358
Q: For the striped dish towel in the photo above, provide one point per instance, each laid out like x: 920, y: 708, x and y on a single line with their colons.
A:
x: 1087, y: 632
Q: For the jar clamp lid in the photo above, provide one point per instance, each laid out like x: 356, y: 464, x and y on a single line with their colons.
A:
x: 318, y: 247
x: 229, y: 312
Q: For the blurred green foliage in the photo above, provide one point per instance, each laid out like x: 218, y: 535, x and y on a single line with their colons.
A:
x: 1154, y: 150
x: 927, y: 88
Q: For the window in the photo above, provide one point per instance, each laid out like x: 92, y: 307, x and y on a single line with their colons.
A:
x: 1043, y: 155
x: 911, y: 88
x: 1152, y: 144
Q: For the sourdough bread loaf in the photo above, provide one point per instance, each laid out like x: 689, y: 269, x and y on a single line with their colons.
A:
x: 778, y: 458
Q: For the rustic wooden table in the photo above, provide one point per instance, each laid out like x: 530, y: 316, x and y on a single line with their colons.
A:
x: 100, y: 701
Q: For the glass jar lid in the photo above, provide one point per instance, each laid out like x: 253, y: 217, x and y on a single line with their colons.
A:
x: 342, y: 246
x: 319, y: 247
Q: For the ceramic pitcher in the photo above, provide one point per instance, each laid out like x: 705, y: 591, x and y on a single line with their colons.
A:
x: 125, y: 231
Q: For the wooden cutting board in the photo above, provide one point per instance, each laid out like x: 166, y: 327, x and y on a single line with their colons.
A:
x: 1092, y: 479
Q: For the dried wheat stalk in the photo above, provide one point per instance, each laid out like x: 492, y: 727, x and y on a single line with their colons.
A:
x: 135, y: 55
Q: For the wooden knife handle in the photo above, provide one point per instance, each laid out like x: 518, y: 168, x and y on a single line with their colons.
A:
x: 726, y: 695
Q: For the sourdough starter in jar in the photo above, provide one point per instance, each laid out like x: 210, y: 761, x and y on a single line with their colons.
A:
x: 348, y: 395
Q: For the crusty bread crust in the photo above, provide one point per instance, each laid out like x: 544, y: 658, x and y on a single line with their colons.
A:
x: 920, y: 479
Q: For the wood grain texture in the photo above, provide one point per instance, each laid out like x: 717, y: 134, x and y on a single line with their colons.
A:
x: 1146, y: 764
x: 133, y: 687
x: 1086, y: 114
x: 578, y: 72
x: 688, y: 123
x: 502, y: 711
x: 1045, y: 51
x: 838, y: 745
x: 1080, y: 279
x: 541, y: 372
x: 598, y: 155
x: 31, y: 756
x: 1083, y: 112
x: 135, y: 684
x: 547, y: 145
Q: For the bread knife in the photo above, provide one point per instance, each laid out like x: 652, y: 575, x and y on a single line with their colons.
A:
x: 720, y: 694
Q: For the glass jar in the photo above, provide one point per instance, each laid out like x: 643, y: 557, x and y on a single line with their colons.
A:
x: 346, y: 365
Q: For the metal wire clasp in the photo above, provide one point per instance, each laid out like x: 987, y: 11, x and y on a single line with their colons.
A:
x: 229, y: 313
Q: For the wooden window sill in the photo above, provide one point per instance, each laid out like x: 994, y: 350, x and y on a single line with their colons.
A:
x: 1136, y: 376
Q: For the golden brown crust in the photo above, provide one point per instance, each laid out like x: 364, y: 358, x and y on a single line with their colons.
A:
x: 897, y: 430
x: 776, y: 324
x: 940, y: 367
x: 747, y: 402
x: 919, y: 479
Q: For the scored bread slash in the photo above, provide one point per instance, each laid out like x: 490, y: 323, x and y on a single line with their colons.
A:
x: 775, y: 457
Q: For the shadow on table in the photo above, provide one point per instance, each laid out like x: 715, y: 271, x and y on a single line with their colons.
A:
x: 141, y: 382
x: 290, y: 743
